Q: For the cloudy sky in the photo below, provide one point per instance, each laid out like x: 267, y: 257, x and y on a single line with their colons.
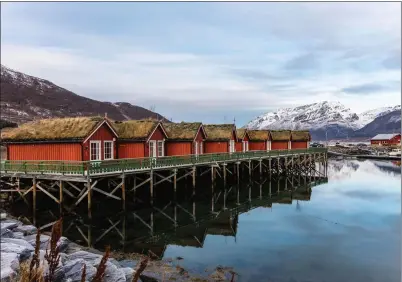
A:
x: 211, y: 61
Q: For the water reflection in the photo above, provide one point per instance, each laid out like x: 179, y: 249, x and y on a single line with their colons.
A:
x: 344, y: 228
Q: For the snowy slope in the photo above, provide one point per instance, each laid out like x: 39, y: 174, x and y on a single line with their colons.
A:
x: 369, y: 116
x: 312, y: 116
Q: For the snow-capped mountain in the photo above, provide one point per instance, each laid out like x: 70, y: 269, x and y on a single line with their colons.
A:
x: 324, y: 120
x: 370, y: 115
x: 25, y: 97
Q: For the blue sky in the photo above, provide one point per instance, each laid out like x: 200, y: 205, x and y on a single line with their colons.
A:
x: 211, y: 61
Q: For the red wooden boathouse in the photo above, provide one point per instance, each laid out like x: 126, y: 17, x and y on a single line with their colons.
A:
x: 68, y: 139
x: 242, y: 144
x: 140, y: 138
x: 300, y: 139
x: 392, y: 139
x: 259, y: 140
x: 184, y: 138
x: 280, y: 139
x: 221, y: 138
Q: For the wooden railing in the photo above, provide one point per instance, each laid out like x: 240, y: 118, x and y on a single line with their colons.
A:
x: 102, y: 167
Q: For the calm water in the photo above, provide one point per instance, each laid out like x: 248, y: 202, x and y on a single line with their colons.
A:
x: 344, y: 228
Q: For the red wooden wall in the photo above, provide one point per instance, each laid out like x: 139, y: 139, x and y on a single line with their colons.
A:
x: 394, y: 141
x: 257, y: 145
x: 299, y: 144
x: 102, y: 134
x: 239, y: 146
x: 279, y: 145
x: 129, y: 150
x: 178, y: 148
x: 199, y: 138
x: 216, y: 147
x: 45, y: 151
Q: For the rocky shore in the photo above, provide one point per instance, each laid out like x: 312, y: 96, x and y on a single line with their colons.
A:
x: 18, y: 244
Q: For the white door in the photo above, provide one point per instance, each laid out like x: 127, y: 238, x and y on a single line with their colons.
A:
x: 152, y: 149
x: 268, y: 145
x: 201, y: 147
x: 231, y: 146
x: 196, y: 148
x: 95, y: 150
x: 246, y: 146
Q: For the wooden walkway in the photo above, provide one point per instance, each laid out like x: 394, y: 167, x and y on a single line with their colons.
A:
x: 88, y: 169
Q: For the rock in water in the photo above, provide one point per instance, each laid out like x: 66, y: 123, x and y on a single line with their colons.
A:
x: 5, y: 224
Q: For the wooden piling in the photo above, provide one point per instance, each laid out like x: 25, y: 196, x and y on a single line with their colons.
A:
x: 151, y: 186
x: 61, y: 196
x: 89, y: 198
x: 123, y: 191
x: 194, y: 170
x: 260, y: 167
x: 249, y: 168
x: 34, y: 199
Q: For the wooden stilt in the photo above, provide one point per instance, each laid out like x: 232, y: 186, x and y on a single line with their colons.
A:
x: 260, y: 167
x: 238, y: 173
x: 61, y: 195
x: 34, y: 199
x: 123, y: 191
x: 151, y: 186
x: 224, y: 174
x: 269, y: 167
x: 89, y: 194
x: 134, y: 186
x: 194, y: 171
x: 249, y: 168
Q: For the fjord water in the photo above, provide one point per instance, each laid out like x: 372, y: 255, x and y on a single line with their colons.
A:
x: 345, y: 228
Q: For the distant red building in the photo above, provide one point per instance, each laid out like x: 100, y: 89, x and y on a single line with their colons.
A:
x: 221, y: 138
x: 242, y: 144
x: 386, y: 139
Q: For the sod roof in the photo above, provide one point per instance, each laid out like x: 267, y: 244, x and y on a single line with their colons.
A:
x: 74, y: 128
x: 217, y: 132
x: 135, y: 129
x: 280, y: 135
x: 258, y: 135
x: 182, y: 130
x: 301, y: 135
x: 241, y: 133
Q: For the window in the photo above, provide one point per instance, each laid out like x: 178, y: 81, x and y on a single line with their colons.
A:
x: 160, y: 149
x: 95, y: 150
x: 152, y: 149
x: 231, y: 146
x: 108, y: 150
x: 195, y: 148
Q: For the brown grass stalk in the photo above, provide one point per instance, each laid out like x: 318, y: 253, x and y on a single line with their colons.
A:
x: 34, y: 265
x: 84, y: 273
x: 141, y: 268
x: 100, y: 271
x: 53, y: 255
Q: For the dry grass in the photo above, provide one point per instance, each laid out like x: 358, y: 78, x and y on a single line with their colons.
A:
x: 182, y: 130
x: 258, y: 135
x: 301, y: 135
x: 241, y: 133
x: 100, y: 272
x: 52, y: 129
x: 135, y: 129
x: 217, y: 132
x: 280, y: 135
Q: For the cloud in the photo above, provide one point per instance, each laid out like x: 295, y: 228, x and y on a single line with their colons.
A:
x: 373, y: 88
x: 225, y: 59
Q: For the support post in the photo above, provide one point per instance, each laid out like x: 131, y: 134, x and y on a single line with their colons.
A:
x: 34, y: 199
x: 269, y: 167
x: 134, y: 185
x: 249, y: 168
x: 61, y: 196
x: 224, y: 174
x: 89, y: 197
x: 212, y: 174
x: 123, y: 191
x: 238, y: 172
x: 194, y: 170
x: 260, y: 167
x: 151, y: 186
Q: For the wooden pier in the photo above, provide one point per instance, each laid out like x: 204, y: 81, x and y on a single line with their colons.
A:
x: 117, y: 178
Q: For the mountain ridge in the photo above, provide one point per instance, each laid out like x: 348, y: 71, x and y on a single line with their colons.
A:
x: 25, y: 98
x: 329, y: 120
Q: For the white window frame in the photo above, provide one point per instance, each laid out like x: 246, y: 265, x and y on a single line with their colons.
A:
x: 162, y: 143
x: 99, y: 150
x: 154, y: 151
x: 111, y: 150
x: 290, y: 145
x: 201, y: 147
x: 195, y: 146
x: 268, y: 145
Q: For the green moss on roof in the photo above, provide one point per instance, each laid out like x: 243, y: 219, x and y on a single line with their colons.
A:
x: 280, y: 135
x: 135, y: 129
x: 301, y: 135
x: 258, y: 135
x: 182, y: 130
x: 219, y: 131
x: 53, y: 129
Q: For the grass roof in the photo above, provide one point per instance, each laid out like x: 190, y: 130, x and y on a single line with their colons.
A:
x: 135, y: 129
x: 182, y: 130
x: 301, y: 135
x: 258, y: 135
x: 74, y: 128
x: 219, y: 131
x: 280, y: 135
x: 241, y: 133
